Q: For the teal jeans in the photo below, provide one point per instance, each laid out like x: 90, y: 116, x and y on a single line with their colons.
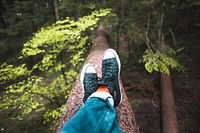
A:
x: 95, y: 116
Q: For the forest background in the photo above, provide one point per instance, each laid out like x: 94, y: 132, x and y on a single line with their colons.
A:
x: 43, y: 45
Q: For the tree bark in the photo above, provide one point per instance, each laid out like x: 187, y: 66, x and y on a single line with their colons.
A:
x: 2, y: 16
x: 56, y: 9
x: 169, y: 116
x: 125, y: 114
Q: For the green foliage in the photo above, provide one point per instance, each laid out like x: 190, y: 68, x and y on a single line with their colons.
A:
x: 53, y: 115
x: 151, y: 34
x: 21, y: 19
x: 160, y: 62
x: 60, y: 49
x: 9, y: 73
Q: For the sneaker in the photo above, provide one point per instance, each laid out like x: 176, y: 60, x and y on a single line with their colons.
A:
x: 89, y: 81
x: 110, y: 74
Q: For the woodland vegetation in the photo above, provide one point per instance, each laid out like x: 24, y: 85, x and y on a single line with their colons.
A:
x: 44, y: 43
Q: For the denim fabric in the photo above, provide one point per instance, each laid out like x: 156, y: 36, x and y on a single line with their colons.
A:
x: 96, y: 116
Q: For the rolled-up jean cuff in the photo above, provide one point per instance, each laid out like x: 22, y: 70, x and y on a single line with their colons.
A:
x: 103, y: 95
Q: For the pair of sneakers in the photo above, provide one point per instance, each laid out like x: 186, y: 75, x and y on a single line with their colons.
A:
x: 110, y: 77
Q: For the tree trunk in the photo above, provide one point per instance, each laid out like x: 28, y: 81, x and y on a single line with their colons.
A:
x: 125, y: 114
x: 56, y: 9
x: 2, y: 17
x: 169, y: 117
x: 119, y: 24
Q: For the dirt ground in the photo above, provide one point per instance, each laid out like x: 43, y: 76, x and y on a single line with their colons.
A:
x: 143, y: 91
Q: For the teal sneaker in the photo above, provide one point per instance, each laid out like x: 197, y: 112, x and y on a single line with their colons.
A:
x: 110, y: 74
x: 89, y: 81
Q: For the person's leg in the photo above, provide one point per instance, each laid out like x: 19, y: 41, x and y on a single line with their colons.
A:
x: 98, y: 113
x: 96, y: 116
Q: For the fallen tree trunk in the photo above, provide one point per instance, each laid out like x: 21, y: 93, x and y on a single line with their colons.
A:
x: 125, y: 114
x: 169, y: 116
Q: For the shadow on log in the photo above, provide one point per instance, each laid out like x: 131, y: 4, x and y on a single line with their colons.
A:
x: 125, y: 114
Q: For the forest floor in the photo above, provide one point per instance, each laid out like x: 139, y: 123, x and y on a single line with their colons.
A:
x: 143, y: 91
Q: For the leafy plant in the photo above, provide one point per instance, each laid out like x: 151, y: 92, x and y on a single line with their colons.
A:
x: 58, y: 51
x: 159, y: 62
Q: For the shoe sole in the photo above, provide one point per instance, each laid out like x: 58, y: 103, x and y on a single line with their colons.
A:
x: 119, y: 64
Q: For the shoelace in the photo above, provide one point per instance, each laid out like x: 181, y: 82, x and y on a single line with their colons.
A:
x: 108, y: 72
